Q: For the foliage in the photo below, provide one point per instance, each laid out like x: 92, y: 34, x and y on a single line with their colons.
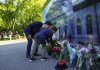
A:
x: 16, y: 14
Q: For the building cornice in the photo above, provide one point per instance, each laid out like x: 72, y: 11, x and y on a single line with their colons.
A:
x: 84, y: 4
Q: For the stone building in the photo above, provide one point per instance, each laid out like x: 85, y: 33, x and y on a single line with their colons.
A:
x: 76, y: 19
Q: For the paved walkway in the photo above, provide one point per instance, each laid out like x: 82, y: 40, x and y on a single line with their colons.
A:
x: 12, y: 57
x: 12, y: 41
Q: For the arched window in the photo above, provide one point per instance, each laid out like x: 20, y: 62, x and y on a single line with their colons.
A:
x: 79, y: 31
x: 89, y: 24
x: 65, y: 30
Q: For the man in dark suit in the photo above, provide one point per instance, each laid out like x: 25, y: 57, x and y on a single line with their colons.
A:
x: 30, y: 31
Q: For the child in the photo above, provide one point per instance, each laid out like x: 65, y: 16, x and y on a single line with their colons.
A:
x: 40, y: 38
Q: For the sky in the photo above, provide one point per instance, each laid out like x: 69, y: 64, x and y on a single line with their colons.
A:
x: 1, y: 0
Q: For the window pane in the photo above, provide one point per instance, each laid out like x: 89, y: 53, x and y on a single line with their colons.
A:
x: 89, y: 24
x: 79, y: 26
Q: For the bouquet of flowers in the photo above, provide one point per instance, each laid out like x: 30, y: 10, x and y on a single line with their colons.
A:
x: 64, y: 51
x: 54, y: 48
x: 56, y: 52
x: 94, y: 60
x: 82, y: 58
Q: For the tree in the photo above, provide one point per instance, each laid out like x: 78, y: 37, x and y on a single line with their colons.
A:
x: 16, y: 14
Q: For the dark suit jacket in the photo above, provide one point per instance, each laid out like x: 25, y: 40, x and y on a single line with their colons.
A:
x: 33, y: 28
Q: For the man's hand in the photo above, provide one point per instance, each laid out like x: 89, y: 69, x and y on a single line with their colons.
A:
x: 29, y: 36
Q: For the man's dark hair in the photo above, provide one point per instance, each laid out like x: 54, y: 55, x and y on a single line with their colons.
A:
x: 53, y: 28
x: 48, y: 23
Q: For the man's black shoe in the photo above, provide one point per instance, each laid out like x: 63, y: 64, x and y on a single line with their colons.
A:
x: 32, y: 59
x: 36, y: 54
x: 43, y: 58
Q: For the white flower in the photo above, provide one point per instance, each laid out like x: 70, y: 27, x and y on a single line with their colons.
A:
x: 84, y: 50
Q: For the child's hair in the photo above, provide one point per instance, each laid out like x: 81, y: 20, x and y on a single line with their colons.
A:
x: 48, y: 23
x: 53, y: 28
